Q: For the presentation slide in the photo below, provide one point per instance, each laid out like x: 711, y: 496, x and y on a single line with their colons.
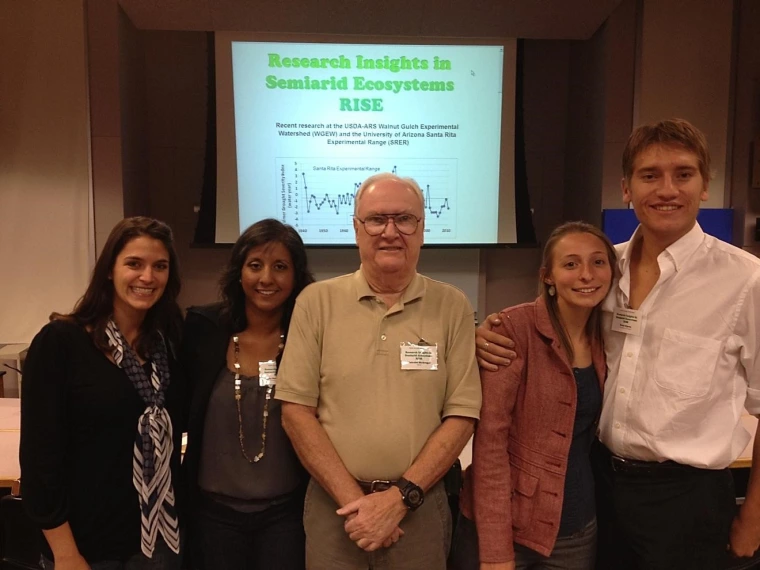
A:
x: 313, y: 120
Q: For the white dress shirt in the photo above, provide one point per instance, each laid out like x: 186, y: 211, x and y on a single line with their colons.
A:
x: 676, y: 390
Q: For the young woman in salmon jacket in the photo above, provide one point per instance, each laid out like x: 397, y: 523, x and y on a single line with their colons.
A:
x: 528, y: 501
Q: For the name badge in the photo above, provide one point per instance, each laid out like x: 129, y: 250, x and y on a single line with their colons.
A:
x: 627, y: 321
x: 268, y: 373
x: 419, y: 356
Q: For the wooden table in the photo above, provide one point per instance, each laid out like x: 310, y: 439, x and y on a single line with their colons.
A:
x: 10, y: 420
x: 744, y: 460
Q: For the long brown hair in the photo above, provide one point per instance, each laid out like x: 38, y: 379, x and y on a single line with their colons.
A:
x: 594, y: 324
x: 95, y: 307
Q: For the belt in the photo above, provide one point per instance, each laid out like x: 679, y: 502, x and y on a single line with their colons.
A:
x: 654, y: 468
x: 637, y: 467
x: 375, y: 486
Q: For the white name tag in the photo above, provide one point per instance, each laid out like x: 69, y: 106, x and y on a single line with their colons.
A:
x: 419, y: 356
x: 627, y: 321
x: 268, y: 373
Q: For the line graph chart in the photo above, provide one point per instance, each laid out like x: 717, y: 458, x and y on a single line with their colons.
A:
x: 317, y: 194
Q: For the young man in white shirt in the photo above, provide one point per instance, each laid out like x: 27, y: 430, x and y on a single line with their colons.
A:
x: 682, y: 335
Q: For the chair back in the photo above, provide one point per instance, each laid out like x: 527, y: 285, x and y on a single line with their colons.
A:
x: 19, y: 537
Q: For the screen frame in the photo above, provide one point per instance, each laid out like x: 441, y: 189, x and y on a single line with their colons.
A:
x: 226, y: 175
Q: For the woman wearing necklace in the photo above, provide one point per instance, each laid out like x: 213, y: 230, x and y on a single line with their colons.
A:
x: 100, y: 403
x: 246, y: 484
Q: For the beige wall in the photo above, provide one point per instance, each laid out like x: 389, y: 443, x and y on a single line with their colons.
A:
x: 133, y: 97
x: 105, y: 115
x: 44, y: 163
x: 148, y: 90
x: 685, y: 71
x: 620, y: 37
x: 176, y: 79
x: 745, y: 199
x: 578, y: 111
x: 175, y: 114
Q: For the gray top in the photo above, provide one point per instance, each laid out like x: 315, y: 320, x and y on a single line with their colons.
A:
x: 224, y: 472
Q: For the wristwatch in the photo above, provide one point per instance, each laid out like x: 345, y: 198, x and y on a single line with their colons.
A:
x: 411, y: 493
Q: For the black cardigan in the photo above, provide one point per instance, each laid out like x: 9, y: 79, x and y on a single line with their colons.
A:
x: 203, y: 354
x: 79, y: 416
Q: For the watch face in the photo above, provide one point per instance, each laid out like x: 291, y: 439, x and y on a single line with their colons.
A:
x: 414, y: 496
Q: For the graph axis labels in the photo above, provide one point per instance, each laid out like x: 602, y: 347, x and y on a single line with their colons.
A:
x: 317, y: 194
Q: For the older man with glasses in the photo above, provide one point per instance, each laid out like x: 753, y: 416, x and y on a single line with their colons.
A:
x: 380, y: 393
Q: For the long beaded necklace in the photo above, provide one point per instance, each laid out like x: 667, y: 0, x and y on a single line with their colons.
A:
x: 239, y: 397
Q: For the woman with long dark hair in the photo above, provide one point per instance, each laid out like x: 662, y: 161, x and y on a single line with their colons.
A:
x: 101, y: 417
x: 528, y: 500
x: 246, y: 483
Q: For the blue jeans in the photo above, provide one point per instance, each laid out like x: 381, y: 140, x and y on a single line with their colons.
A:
x: 574, y: 552
x: 163, y: 559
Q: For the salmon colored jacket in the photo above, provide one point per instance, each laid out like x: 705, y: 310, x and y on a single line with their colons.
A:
x: 514, y: 488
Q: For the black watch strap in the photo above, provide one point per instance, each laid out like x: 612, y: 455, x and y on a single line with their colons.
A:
x: 411, y: 493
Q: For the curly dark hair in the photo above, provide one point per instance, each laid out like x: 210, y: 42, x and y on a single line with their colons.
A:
x: 260, y: 233
x: 95, y: 307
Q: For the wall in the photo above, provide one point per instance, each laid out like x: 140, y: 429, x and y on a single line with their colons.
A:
x: 745, y: 199
x: 175, y: 76
x: 581, y: 100
x: 545, y: 105
x: 600, y: 115
x: 620, y: 46
x: 585, y: 131
x: 45, y: 228
x: 133, y: 97
x: 44, y: 165
x: 147, y: 154
x: 174, y: 70
x: 103, y: 58
x: 510, y: 273
x: 578, y: 112
x: 685, y: 71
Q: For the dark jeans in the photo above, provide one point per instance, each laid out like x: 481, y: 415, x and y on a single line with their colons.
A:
x: 574, y: 552
x: 226, y: 539
x: 163, y: 559
x: 669, y: 519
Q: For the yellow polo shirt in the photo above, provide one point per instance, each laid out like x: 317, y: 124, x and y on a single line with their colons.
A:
x: 343, y: 357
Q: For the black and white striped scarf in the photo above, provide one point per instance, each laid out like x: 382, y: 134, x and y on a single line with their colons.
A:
x: 154, y: 443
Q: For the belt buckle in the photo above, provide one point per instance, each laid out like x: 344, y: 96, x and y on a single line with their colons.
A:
x: 619, y: 464
x: 379, y: 485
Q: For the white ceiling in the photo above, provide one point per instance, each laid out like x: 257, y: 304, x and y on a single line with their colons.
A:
x: 540, y: 19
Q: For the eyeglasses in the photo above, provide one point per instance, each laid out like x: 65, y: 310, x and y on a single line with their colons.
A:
x: 375, y: 225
